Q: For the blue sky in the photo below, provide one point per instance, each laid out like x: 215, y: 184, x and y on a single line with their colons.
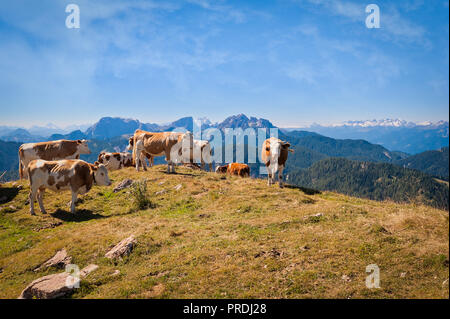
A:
x: 292, y: 62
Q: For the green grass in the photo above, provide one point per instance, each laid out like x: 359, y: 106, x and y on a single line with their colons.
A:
x: 230, y: 237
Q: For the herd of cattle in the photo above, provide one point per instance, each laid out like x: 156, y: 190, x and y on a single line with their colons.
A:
x: 55, y: 165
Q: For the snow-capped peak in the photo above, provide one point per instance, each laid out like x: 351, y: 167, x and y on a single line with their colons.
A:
x: 387, y: 123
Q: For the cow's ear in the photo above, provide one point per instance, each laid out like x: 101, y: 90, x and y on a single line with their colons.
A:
x: 286, y: 145
x: 79, y: 141
x: 96, y: 163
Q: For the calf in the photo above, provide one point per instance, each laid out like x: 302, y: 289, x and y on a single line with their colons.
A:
x: 114, y: 161
x: 238, y: 169
x: 274, y: 154
x: 75, y: 175
x: 50, y: 151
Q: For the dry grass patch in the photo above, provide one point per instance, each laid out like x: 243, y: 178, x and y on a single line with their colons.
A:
x: 228, y: 237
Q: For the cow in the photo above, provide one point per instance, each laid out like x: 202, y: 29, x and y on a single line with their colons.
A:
x: 175, y: 146
x: 50, y: 151
x: 113, y: 161
x: 75, y: 175
x: 238, y: 169
x: 142, y: 160
x: 274, y: 154
x: 200, y: 147
x: 203, y: 149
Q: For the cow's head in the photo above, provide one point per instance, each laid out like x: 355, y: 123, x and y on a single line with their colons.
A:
x: 101, y: 175
x: 130, y: 144
x: 221, y: 169
x: 82, y: 147
x: 285, y: 146
x: 273, y: 150
x: 100, y: 157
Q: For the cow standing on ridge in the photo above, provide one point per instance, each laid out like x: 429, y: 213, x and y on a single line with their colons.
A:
x: 50, y: 151
x: 274, y: 154
x: 75, y: 175
x: 175, y: 146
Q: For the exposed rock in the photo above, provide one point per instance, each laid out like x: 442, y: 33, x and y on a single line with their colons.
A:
x: 161, y: 192
x: 55, y: 285
x: 123, y: 184
x: 88, y: 269
x: 403, y: 275
x: 305, y: 248
x: 60, y: 260
x: 48, y: 287
x: 178, y: 187
x: 116, y: 272
x: 123, y: 248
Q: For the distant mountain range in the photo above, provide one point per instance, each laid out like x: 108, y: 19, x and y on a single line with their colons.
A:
x: 397, y: 135
x: 319, y: 161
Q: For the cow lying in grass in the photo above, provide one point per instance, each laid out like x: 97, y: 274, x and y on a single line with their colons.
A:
x: 74, y: 175
x: 238, y: 169
x: 114, y: 161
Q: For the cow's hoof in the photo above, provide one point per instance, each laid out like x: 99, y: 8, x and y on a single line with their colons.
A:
x: 281, y: 185
x: 43, y: 211
x: 32, y: 213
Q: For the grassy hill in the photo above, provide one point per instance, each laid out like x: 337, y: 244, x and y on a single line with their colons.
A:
x: 220, y: 237
x: 378, y: 181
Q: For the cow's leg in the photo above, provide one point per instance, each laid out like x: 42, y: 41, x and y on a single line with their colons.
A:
x: 32, y: 198
x: 269, y: 178
x: 138, y: 158
x: 40, y: 194
x: 72, y: 203
x: 143, y: 162
x: 280, y: 176
x: 151, y: 161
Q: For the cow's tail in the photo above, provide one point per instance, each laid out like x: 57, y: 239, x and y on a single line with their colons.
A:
x: 133, y: 153
x: 20, y: 162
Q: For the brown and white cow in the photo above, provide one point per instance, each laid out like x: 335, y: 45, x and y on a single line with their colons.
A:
x: 143, y: 154
x: 50, y: 151
x: 203, y: 149
x: 115, y: 160
x: 75, y: 175
x: 274, y: 154
x: 175, y: 146
x: 238, y: 169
